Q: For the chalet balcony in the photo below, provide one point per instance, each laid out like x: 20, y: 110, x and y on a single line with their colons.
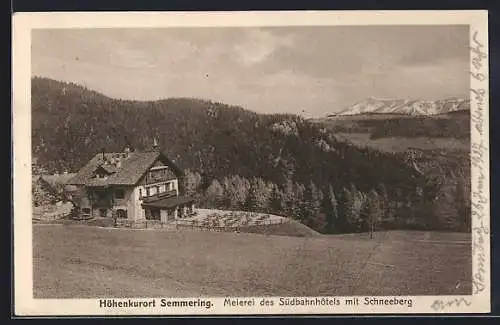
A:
x: 159, y: 176
x: 158, y: 196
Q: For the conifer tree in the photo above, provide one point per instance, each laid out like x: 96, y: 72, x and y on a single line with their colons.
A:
x: 214, y: 194
x: 346, y: 202
x: 235, y: 192
x: 276, y: 200
x: 333, y: 206
x: 258, y: 195
x: 374, y: 211
x: 290, y: 199
x: 299, y: 193
x: 192, y: 184
x: 463, y: 199
x: 384, y: 201
x: 355, y: 218
x: 311, y: 204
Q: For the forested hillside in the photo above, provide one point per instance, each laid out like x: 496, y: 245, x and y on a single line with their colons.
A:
x: 71, y: 124
x: 220, y: 143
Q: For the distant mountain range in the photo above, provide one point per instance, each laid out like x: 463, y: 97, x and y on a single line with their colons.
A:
x: 374, y: 105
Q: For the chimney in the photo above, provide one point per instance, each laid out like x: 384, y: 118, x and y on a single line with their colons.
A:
x: 126, y: 152
x: 155, y: 144
x: 128, y: 146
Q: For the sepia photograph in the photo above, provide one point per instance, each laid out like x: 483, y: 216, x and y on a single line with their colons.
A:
x: 253, y: 161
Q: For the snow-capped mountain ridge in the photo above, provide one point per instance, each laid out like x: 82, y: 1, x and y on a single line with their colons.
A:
x: 373, y: 105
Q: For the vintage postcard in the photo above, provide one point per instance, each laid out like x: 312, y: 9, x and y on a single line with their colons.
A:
x: 251, y: 163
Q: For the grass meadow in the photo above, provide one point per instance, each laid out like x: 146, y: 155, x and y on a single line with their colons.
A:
x: 92, y: 262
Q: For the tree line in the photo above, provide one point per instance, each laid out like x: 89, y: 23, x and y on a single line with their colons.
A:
x: 329, y: 211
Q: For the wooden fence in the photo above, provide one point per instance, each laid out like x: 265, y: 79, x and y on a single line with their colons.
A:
x: 51, y: 216
x: 143, y: 224
x: 263, y: 224
x: 214, y: 224
x: 194, y: 225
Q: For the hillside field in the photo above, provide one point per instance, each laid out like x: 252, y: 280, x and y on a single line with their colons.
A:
x: 91, y: 262
x: 400, y: 144
x: 397, y: 132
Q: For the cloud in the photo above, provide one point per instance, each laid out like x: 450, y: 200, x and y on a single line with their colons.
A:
x: 445, y: 78
x: 340, y: 51
x: 258, y: 45
x: 132, y: 58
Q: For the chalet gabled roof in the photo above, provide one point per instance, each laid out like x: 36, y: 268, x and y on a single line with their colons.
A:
x: 58, y: 179
x: 130, y: 171
x: 44, y: 185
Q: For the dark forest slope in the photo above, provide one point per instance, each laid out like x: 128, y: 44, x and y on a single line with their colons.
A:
x: 71, y: 124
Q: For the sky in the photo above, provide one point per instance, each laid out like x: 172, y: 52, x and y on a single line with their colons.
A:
x: 311, y: 71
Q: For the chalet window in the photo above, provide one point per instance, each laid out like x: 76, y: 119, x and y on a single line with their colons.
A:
x: 101, y: 175
x: 148, y: 192
x: 119, y: 193
x: 140, y: 193
x: 153, y: 214
x: 86, y: 211
x: 99, y: 195
x: 121, y: 214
